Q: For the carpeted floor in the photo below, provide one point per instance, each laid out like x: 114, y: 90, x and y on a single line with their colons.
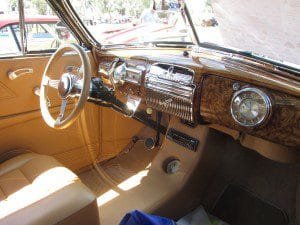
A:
x: 115, y: 199
x: 118, y: 169
x: 271, y: 182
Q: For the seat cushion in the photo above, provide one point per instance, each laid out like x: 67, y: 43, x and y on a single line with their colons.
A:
x: 36, y: 189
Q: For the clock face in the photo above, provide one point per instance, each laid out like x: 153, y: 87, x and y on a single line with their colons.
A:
x: 250, y: 107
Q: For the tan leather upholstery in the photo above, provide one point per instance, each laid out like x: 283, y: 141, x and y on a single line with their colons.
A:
x: 20, y: 116
x: 36, y: 189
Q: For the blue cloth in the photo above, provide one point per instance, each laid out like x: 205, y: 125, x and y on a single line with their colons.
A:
x: 140, y: 218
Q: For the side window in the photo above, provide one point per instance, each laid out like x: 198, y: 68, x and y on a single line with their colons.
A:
x: 44, y: 30
x: 45, y: 36
x: 9, y: 40
x: 9, y: 28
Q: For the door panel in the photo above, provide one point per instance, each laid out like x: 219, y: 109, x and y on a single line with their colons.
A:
x: 17, y: 95
x: 99, y: 132
x: 28, y: 131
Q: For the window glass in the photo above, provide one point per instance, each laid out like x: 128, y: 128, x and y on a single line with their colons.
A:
x: 132, y: 21
x: 43, y: 36
x: 44, y: 30
x: 16, y: 31
x: 8, y: 42
x: 9, y: 28
x: 269, y: 28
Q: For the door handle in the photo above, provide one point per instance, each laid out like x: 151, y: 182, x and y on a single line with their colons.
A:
x: 20, y: 72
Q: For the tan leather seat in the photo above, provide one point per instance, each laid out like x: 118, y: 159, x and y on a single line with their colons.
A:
x: 36, y: 189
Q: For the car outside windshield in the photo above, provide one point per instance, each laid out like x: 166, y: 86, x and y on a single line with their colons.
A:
x: 266, y: 28
x: 132, y: 21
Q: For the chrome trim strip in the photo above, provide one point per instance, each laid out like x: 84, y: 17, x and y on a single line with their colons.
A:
x: 22, y: 27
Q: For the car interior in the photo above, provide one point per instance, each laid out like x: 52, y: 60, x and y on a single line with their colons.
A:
x: 90, y: 132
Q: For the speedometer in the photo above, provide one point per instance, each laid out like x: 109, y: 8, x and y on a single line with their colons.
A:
x: 250, y: 107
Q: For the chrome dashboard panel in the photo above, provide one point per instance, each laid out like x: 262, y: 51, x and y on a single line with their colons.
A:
x: 134, y: 74
x: 171, y: 72
x: 170, y: 88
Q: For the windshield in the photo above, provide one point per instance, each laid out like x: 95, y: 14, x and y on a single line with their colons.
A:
x: 132, y: 21
x: 266, y: 28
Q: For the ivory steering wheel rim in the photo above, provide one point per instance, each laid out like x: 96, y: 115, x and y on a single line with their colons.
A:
x: 62, y: 123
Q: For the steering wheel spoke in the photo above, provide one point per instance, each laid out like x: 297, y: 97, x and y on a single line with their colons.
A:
x: 62, y: 110
x: 47, y: 81
x: 53, y: 83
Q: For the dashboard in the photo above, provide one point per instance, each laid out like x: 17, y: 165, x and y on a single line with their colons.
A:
x: 247, y: 97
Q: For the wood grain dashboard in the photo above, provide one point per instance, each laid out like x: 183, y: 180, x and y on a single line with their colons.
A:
x: 215, y: 74
x: 282, y: 127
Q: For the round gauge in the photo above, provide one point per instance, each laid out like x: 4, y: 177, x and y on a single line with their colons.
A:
x: 250, y: 107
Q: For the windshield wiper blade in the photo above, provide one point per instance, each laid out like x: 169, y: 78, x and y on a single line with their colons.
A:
x: 123, y: 45
x: 175, y: 44
x: 226, y: 49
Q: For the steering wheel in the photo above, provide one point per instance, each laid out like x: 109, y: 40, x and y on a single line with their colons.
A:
x: 69, y: 85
